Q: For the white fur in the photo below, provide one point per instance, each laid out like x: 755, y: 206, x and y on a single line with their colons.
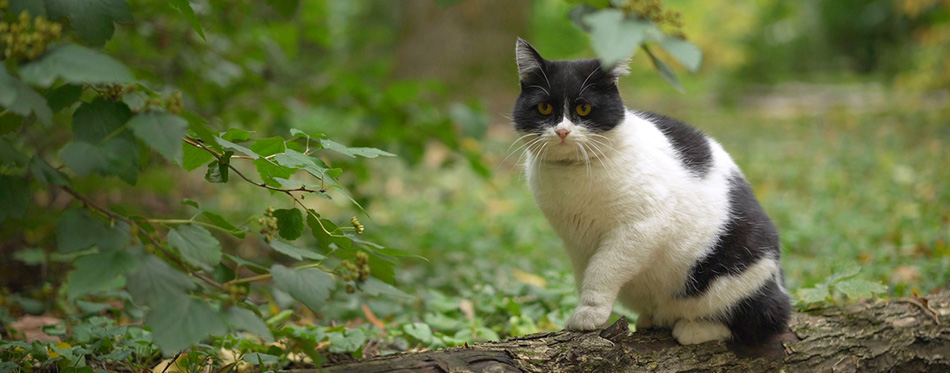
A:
x: 633, y: 221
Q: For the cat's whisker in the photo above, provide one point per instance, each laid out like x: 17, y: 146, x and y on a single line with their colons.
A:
x: 584, y: 84
x: 540, y: 87
x: 512, y: 152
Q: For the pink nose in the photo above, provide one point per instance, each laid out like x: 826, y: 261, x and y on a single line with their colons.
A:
x: 562, y: 133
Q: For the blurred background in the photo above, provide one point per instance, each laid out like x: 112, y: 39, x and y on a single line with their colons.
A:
x: 838, y: 111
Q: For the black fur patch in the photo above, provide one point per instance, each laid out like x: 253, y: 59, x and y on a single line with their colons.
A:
x: 748, y: 236
x: 564, y: 85
x: 757, y: 318
x: 690, y: 143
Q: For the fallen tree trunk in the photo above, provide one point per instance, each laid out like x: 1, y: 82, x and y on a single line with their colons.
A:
x: 898, y: 335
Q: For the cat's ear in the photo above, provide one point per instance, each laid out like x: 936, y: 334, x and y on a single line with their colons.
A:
x: 529, y: 60
x: 618, y: 69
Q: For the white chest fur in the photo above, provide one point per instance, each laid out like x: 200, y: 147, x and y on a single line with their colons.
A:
x: 635, y: 202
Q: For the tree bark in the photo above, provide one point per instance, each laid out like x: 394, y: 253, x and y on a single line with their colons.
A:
x: 906, y: 335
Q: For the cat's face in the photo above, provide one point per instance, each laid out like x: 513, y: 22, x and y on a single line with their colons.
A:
x: 565, y: 107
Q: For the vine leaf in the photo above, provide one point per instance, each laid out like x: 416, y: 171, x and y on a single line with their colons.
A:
x: 77, y: 230
x: 184, y: 6
x: 309, y: 286
x: 19, y: 98
x: 98, y: 272
x: 182, y: 321
x: 354, y: 152
x: 156, y: 282
x: 242, y: 319
x: 293, y: 251
x: 91, y: 19
x: 193, y: 157
x: 161, y: 131
x: 615, y: 36
x: 289, y: 223
x: 75, y: 64
x: 196, y: 245
x: 665, y: 71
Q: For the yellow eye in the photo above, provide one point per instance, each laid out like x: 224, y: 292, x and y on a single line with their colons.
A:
x: 545, y: 108
x: 582, y: 109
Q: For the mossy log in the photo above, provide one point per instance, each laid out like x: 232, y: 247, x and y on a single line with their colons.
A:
x: 903, y: 335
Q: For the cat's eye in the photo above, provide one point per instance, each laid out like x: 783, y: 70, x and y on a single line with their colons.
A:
x: 545, y: 108
x: 582, y: 109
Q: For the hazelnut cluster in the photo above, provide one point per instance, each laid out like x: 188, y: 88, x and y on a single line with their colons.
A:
x: 356, y: 272
x: 268, y: 224
x: 27, y: 38
x: 653, y: 11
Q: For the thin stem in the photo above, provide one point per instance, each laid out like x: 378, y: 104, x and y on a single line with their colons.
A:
x: 189, y: 221
x: 266, y: 276
x: 198, y: 144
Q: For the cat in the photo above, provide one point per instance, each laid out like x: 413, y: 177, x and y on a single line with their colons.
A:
x: 652, y: 212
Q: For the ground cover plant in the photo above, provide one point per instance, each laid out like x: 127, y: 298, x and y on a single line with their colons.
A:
x: 161, y: 164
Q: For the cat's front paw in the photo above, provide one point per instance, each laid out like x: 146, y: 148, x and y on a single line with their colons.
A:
x: 588, y: 318
x: 689, y: 332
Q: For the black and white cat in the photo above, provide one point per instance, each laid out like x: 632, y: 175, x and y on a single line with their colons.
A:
x: 651, y: 211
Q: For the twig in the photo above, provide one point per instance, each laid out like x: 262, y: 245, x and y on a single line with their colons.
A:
x: 194, y: 142
x: 89, y: 204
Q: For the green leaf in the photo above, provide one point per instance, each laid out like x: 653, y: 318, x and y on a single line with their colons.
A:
x: 9, y: 155
x: 196, y: 245
x: 812, y: 295
x: 683, y: 51
x: 64, y: 96
x: 218, y: 171
x: 115, y: 157
x: 184, y: 6
x: 75, y: 64
x: 98, y: 272
x: 199, y: 125
x: 46, y: 174
x: 220, y: 222
x: 860, y: 289
x: 77, y: 230
x: 181, y: 322
x: 161, y: 131
x: 14, y: 197
x: 257, y: 358
x: 843, y: 271
x: 309, y: 286
x: 419, y: 331
x: 35, y: 8
x: 236, y: 134
x: 347, y: 341
x: 243, y: 319
x: 290, y: 223
x: 293, y: 251
x: 94, y: 121
x: 193, y: 157
x: 268, y: 146
x: 354, y: 152
x: 376, y: 287
x: 19, y: 98
x: 270, y: 172
x: 91, y: 19
x: 155, y: 282
x: 327, y: 233
x: 614, y: 36
x: 665, y: 71
x: 238, y: 148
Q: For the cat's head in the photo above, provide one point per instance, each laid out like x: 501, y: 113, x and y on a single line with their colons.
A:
x: 566, y: 105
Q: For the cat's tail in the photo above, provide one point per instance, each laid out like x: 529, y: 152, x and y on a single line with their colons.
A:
x: 761, y: 316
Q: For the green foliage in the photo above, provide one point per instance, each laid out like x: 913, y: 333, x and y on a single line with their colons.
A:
x: 841, y: 281
x: 618, y: 28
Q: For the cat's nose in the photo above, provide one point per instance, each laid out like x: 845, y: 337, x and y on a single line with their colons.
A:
x: 562, y: 132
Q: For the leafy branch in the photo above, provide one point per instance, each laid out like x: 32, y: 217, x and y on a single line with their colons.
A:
x: 92, y: 206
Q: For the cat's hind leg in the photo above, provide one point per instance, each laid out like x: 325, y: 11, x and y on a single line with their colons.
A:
x: 688, y: 332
